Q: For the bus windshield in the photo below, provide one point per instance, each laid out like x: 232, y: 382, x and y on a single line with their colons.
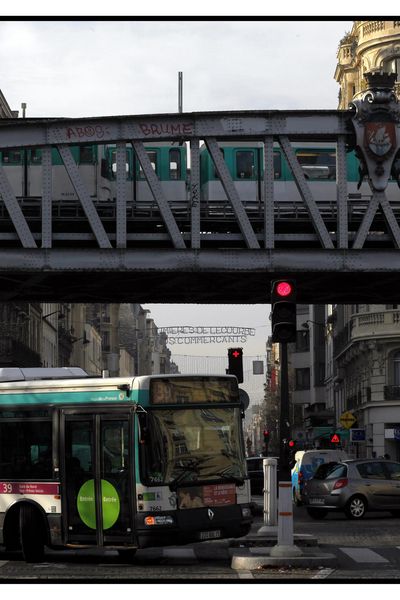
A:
x: 188, y: 445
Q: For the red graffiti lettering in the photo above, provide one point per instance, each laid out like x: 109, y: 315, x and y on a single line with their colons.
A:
x: 87, y: 131
x: 159, y: 129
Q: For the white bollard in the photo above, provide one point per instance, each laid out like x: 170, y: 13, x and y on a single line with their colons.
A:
x: 270, y: 466
x: 285, y: 545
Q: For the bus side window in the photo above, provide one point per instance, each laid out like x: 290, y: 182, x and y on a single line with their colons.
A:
x: 174, y: 164
x: 25, y: 449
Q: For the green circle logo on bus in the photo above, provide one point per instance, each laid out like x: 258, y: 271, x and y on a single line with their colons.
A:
x: 86, y: 505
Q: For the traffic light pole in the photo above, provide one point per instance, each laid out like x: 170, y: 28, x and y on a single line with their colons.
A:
x: 285, y: 545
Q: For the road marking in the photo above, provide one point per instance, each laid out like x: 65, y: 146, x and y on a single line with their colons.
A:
x: 364, y: 555
x: 3, y: 562
x: 323, y: 573
x: 245, y: 575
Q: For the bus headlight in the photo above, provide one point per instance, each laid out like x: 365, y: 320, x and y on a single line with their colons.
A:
x: 246, y: 511
x: 159, y: 520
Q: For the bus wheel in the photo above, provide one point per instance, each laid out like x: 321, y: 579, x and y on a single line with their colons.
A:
x: 31, y: 533
x: 127, y: 554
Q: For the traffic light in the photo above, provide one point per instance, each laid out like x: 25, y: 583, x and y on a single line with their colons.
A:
x: 334, y: 438
x: 266, y: 441
x: 283, y: 310
x: 235, y: 363
x: 291, y: 449
x: 292, y: 453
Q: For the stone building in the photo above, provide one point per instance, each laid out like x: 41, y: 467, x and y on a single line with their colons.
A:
x: 369, y: 46
x: 365, y: 338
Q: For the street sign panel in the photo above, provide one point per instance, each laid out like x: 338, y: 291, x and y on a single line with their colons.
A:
x: 347, y: 419
x: 357, y: 435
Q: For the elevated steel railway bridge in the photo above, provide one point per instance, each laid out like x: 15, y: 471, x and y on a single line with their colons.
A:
x: 201, y: 251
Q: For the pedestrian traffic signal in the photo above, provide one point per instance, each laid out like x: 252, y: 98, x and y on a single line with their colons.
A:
x: 266, y: 435
x: 283, y: 310
x: 335, y: 438
x: 235, y: 363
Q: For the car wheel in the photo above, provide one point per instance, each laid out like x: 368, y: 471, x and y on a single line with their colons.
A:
x: 317, y: 513
x: 355, y: 507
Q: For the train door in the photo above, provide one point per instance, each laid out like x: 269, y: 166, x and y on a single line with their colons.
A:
x: 97, y: 477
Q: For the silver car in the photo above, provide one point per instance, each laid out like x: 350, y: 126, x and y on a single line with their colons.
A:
x: 354, y: 486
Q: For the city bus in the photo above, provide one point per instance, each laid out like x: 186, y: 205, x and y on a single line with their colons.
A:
x: 119, y: 463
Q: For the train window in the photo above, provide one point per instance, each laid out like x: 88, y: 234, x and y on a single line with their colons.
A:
x: 114, y: 161
x: 86, y: 155
x: 216, y: 176
x: 152, y: 154
x: 11, y: 157
x: 317, y: 164
x: 36, y: 156
x: 174, y: 164
x: 277, y: 165
x: 245, y: 168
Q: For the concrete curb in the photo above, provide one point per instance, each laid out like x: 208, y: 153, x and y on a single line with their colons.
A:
x: 259, y: 557
x: 270, y: 539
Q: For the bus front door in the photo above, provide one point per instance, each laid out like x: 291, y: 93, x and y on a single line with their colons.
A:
x: 97, y: 478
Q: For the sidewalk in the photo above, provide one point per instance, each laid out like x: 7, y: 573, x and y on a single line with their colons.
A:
x: 254, y: 550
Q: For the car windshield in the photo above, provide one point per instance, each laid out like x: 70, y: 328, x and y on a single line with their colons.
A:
x: 330, y: 470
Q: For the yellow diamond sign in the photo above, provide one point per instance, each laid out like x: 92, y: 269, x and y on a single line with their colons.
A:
x: 347, y: 419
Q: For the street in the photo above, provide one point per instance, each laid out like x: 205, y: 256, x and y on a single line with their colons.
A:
x: 368, y: 549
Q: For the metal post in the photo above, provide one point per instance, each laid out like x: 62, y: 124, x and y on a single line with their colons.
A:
x: 180, y: 91
x: 25, y: 157
x: 285, y: 546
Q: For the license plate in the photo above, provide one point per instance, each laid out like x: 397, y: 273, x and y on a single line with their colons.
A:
x: 210, y: 535
x: 317, y: 501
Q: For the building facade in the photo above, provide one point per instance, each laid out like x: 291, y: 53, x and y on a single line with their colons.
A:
x: 369, y: 46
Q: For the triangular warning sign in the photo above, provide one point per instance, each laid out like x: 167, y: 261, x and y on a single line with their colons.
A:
x: 335, y: 439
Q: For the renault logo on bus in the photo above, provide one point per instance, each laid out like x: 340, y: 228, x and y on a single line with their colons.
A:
x: 210, y: 514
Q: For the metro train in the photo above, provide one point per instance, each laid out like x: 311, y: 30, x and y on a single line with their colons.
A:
x: 97, y: 167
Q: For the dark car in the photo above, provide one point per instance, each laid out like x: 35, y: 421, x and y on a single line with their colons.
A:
x: 354, y: 487
x: 256, y: 474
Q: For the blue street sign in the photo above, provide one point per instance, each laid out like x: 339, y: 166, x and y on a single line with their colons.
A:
x: 357, y: 435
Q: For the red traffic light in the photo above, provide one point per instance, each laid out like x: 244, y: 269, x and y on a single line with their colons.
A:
x: 335, y: 438
x: 266, y: 433
x: 291, y: 443
x: 237, y: 353
x: 284, y: 288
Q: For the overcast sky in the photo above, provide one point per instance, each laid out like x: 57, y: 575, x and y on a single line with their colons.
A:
x: 75, y: 68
